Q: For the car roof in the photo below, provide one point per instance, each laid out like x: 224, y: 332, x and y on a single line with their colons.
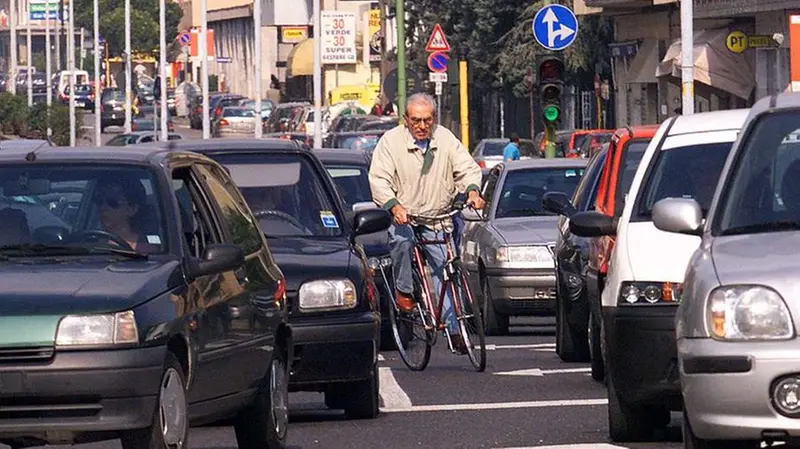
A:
x: 546, y: 163
x: 131, y: 154
x: 709, y: 121
x: 232, y: 145
x: 342, y: 156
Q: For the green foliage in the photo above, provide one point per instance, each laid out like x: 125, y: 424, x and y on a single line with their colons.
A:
x: 144, y: 23
x: 16, y: 118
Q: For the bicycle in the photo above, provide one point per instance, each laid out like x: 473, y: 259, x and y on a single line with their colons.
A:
x: 418, y: 329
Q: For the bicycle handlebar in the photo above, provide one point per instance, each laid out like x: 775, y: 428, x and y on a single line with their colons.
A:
x: 453, y: 212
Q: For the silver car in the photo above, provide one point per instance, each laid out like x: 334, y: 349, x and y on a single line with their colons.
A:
x: 736, y: 325
x: 510, y: 249
x: 234, y: 121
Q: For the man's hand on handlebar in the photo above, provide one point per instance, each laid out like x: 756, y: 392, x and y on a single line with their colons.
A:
x: 474, y: 199
x: 400, y: 214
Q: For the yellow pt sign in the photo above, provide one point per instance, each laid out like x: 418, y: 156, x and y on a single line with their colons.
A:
x: 736, y: 42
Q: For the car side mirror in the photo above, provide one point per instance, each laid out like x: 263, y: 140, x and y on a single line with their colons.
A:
x: 679, y: 215
x: 364, y: 205
x: 470, y: 214
x: 217, y: 258
x: 558, y: 203
x: 371, y: 220
x: 592, y: 224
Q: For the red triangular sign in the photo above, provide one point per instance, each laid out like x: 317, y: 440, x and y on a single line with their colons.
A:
x: 437, y: 41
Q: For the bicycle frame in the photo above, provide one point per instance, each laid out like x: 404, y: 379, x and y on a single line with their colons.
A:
x: 447, y: 279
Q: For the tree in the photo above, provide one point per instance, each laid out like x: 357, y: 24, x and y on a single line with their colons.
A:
x: 144, y: 23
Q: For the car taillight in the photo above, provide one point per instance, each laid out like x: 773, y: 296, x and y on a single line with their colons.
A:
x: 482, y: 163
x: 223, y: 122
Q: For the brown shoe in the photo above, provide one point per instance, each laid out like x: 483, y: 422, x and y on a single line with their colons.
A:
x: 404, y: 301
x: 458, y: 344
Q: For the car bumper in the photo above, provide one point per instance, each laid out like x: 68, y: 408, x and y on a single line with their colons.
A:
x: 80, y: 392
x: 114, y: 119
x: 727, y: 386
x: 522, y: 292
x: 641, y: 354
x: 334, y: 349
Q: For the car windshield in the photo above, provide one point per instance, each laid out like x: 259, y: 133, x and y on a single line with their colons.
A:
x: 494, y: 148
x: 763, y: 188
x: 352, y: 183
x: 522, y: 190
x: 285, y: 193
x: 122, y: 140
x: 238, y: 112
x: 113, y: 95
x: 684, y: 172
x: 79, y: 209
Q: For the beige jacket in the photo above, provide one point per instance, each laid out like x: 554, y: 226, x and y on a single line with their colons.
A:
x: 395, y: 175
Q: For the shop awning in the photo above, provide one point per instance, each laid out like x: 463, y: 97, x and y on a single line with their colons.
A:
x: 644, y: 65
x: 301, y: 59
x: 714, y: 64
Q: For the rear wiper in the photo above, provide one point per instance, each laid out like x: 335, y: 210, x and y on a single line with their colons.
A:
x: 119, y: 252
x: 773, y: 226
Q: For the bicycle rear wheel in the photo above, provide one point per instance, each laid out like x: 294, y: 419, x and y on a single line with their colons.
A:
x: 470, y: 321
x: 410, y: 332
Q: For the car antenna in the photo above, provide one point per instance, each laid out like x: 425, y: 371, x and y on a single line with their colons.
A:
x: 31, y: 156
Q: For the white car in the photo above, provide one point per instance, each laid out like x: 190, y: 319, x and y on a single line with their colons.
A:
x: 647, y: 266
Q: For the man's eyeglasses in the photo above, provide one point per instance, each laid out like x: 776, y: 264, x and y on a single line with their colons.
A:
x: 416, y: 121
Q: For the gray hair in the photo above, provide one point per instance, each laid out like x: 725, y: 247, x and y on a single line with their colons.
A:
x: 422, y: 98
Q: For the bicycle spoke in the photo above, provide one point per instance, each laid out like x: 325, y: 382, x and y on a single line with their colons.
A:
x: 470, y: 322
x: 410, y: 332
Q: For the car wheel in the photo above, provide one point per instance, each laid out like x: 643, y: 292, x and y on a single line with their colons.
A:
x: 170, y: 427
x: 627, y: 423
x: 595, y: 351
x: 360, y: 400
x: 493, y: 322
x: 264, y: 424
x: 690, y: 441
x: 571, y: 344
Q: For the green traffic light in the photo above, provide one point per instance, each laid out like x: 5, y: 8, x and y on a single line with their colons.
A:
x: 551, y: 113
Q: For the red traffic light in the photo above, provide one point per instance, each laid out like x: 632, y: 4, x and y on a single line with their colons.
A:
x: 551, y: 69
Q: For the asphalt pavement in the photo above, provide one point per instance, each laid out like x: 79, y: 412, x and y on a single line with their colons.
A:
x: 527, y: 398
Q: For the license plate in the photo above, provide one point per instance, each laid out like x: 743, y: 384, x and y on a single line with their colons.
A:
x: 80, y: 104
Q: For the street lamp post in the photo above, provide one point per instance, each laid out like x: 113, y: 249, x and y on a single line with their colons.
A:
x: 203, y: 38
x: 48, y: 64
x: 257, y: 59
x: 687, y: 57
x: 11, y: 84
x: 98, y: 93
x: 163, y: 67
x: 29, y: 52
x: 317, y: 76
x: 71, y: 68
x: 128, y: 71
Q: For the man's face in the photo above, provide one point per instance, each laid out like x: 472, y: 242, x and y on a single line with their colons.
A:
x: 419, y: 120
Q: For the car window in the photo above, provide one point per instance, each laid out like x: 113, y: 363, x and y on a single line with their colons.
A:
x: 197, y: 229
x: 493, y: 148
x: 231, y: 112
x: 522, y: 190
x: 587, y: 188
x: 762, y: 193
x: 87, y: 206
x: 489, y: 188
x: 684, y: 172
x: 119, y: 140
x: 352, y: 183
x: 286, y: 194
x: 632, y: 155
x: 242, y: 227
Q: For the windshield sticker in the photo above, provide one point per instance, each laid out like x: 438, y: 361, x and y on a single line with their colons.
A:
x: 153, y: 239
x: 328, y: 219
x: 570, y: 174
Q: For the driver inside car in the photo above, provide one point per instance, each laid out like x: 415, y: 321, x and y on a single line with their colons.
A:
x: 122, y: 212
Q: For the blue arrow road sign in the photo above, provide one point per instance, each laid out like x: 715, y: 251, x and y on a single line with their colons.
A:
x: 437, y: 62
x: 555, y: 27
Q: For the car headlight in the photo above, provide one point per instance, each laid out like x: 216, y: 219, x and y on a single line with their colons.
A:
x: 535, y: 254
x: 748, y: 312
x: 376, y: 263
x: 644, y: 293
x: 107, y: 329
x: 328, y: 295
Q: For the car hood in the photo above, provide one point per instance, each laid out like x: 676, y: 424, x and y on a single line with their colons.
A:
x: 302, y: 258
x: 767, y: 259
x: 526, y: 230
x: 655, y: 255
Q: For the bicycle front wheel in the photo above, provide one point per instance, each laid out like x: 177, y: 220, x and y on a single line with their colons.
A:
x: 413, y: 331
x: 470, y: 321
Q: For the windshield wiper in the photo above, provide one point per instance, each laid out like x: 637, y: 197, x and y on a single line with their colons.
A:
x: 42, y: 249
x: 119, y: 252
x: 772, y: 226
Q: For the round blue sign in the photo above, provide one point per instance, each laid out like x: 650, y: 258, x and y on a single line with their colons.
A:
x: 555, y: 27
x: 437, y: 62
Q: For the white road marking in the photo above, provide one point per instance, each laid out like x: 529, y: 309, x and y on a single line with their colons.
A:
x: 573, y: 446
x: 392, y: 394
x: 534, y: 346
x: 497, y: 405
x: 541, y: 372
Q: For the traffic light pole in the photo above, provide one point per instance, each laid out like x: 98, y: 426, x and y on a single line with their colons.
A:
x: 551, y: 85
x: 401, y: 58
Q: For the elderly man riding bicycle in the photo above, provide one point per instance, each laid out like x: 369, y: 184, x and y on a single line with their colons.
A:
x: 417, y: 171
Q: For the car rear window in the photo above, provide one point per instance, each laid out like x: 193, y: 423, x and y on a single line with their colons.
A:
x: 352, y: 183
x: 522, y: 190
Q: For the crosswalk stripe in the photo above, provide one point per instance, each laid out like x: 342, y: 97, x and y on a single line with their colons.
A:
x: 392, y: 394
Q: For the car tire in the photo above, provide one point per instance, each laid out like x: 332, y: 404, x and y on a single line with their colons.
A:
x: 690, y: 441
x: 627, y: 423
x: 595, y: 350
x: 493, y: 322
x: 571, y: 344
x: 171, y: 401
x: 360, y: 400
x: 264, y: 424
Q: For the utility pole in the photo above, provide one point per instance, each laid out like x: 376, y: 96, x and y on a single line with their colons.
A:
x: 203, y: 38
x: 401, y: 57
x: 162, y: 67
x: 98, y: 93
x: 11, y: 84
x: 29, y: 52
x: 317, y: 75
x: 687, y: 57
x: 128, y: 71
x: 71, y: 68
x: 464, y: 100
x: 47, y: 63
x: 57, y: 29
x: 258, y: 67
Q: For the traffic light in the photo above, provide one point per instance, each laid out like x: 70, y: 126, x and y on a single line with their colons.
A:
x: 551, y: 84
